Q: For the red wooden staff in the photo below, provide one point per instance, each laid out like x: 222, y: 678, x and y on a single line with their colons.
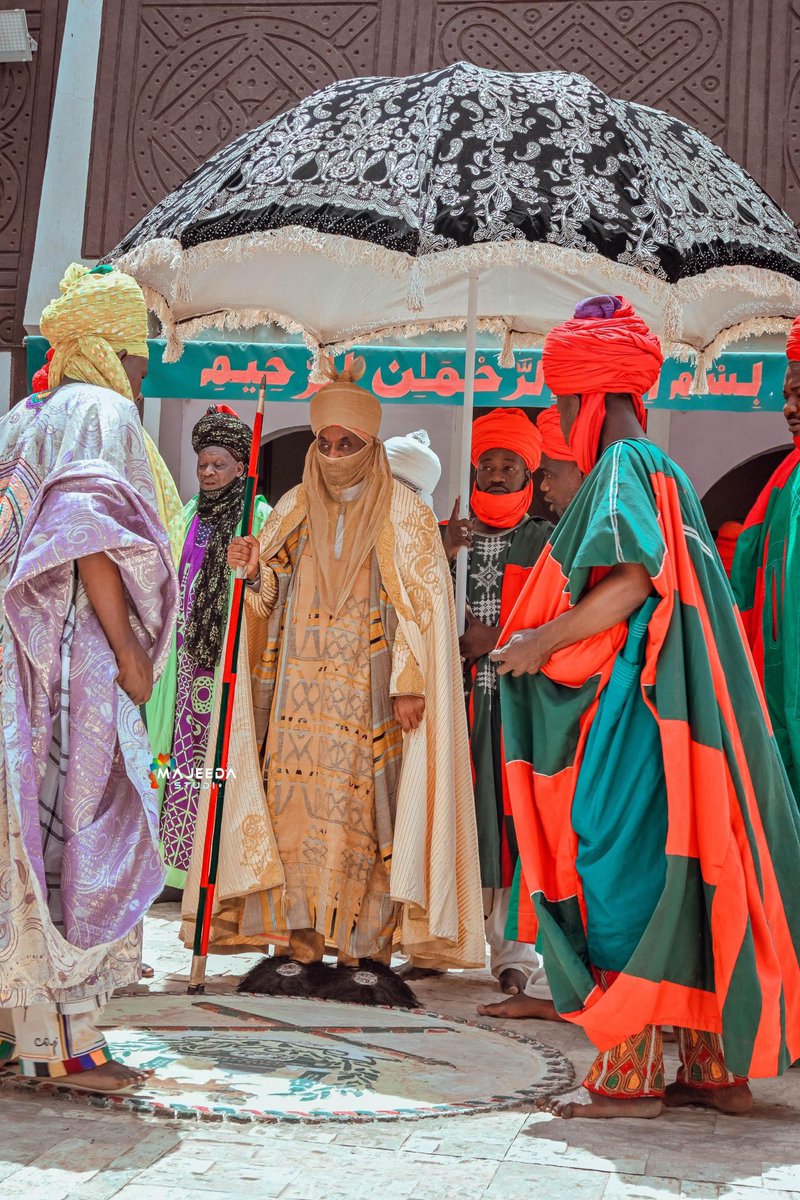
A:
x: 216, y: 795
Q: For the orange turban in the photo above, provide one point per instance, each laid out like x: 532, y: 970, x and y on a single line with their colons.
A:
x: 554, y: 444
x: 793, y: 342
x: 605, y: 347
x: 507, y: 429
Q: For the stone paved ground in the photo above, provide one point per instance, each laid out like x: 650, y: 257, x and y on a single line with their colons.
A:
x: 51, y: 1150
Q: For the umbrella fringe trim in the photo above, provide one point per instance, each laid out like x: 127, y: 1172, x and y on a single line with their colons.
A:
x: 755, y: 327
x: 177, y: 333
x: 435, y: 267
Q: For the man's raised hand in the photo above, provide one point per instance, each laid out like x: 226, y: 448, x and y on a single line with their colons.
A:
x: 244, y: 552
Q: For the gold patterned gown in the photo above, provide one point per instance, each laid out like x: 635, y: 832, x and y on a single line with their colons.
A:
x: 318, y: 842
x: 332, y: 761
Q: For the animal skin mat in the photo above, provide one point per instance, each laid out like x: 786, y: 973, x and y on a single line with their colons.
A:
x: 262, y: 1058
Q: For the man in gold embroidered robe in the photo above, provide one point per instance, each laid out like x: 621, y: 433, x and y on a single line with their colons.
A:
x: 350, y: 821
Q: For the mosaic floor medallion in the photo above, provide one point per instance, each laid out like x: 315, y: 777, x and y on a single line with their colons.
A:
x: 251, y: 1058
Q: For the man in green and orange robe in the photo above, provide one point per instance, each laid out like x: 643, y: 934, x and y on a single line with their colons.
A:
x: 657, y: 831
x: 766, y: 581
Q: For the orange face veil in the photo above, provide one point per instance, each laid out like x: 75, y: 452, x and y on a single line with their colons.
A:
x: 605, y: 347
x: 505, y: 429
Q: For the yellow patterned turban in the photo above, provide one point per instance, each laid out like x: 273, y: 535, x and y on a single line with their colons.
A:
x: 98, y: 314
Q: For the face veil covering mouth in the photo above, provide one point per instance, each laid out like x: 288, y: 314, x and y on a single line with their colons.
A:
x: 356, y: 488
x: 505, y: 429
x: 793, y: 355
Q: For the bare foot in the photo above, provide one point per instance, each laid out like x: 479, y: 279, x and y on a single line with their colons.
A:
x: 411, y: 973
x: 108, y: 1077
x: 521, y: 1007
x: 147, y: 971
x: 735, y: 1100
x: 582, y: 1103
x: 512, y: 981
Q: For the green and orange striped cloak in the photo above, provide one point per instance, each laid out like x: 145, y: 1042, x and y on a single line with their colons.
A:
x: 766, y: 583
x: 720, y: 952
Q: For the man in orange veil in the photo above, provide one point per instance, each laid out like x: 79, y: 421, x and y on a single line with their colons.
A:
x: 504, y: 541
x: 657, y: 831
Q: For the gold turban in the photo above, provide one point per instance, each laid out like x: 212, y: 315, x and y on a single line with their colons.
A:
x: 356, y: 489
x: 98, y: 314
x: 342, y: 402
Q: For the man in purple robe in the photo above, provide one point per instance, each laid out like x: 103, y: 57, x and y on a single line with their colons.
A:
x: 89, y: 597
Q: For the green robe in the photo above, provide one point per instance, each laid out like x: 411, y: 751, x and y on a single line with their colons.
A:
x: 766, y: 582
x: 498, y: 566
x: 718, y: 945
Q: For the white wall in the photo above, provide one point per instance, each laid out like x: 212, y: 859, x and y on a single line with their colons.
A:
x: 5, y: 382
x: 707, y: 444
x: 59, y: 231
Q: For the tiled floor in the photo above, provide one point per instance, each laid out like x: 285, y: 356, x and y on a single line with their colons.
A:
x: 55, y: 1150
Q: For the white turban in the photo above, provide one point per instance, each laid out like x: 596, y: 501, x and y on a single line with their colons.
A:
x: 414, y: 463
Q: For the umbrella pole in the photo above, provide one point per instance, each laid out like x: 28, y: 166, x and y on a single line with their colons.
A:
x: 466, y: 445
x: 216, y: 795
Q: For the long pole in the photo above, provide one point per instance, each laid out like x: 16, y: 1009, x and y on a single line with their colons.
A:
x: 466, y: 445
x: 216, y: 795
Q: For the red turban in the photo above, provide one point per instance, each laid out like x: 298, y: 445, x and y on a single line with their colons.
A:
x: 554, y: 444
x: 605, y: 347
x: 505, y: 429
x: 793, y: 342
x: 793, y: 354
x: 41, y: 378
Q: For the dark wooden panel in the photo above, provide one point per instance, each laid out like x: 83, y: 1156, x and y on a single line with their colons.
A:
x: 729, y: 67
x: 26, y: 97
x: 786, y: 129
x: 672, y: 55
x: 178, y: 80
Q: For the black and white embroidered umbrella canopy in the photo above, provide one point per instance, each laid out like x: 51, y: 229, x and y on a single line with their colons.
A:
x: 362, y: 211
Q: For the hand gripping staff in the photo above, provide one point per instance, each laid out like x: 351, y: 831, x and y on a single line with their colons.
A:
x: 216, y: 795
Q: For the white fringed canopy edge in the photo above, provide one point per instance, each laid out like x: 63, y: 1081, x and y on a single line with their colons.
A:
x: 338, y: 292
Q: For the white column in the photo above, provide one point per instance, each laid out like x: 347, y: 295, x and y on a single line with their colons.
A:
x: 659, y: 426
x: 5, y: 383
x: 151, y: 417
x: 59, y: 232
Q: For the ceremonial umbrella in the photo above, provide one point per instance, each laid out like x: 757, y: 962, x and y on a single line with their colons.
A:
x: 362, y: 212
x: 467, y: 197
x: 386, y: 207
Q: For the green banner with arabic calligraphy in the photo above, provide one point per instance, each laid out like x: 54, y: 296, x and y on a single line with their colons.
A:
x: 231, y: 371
